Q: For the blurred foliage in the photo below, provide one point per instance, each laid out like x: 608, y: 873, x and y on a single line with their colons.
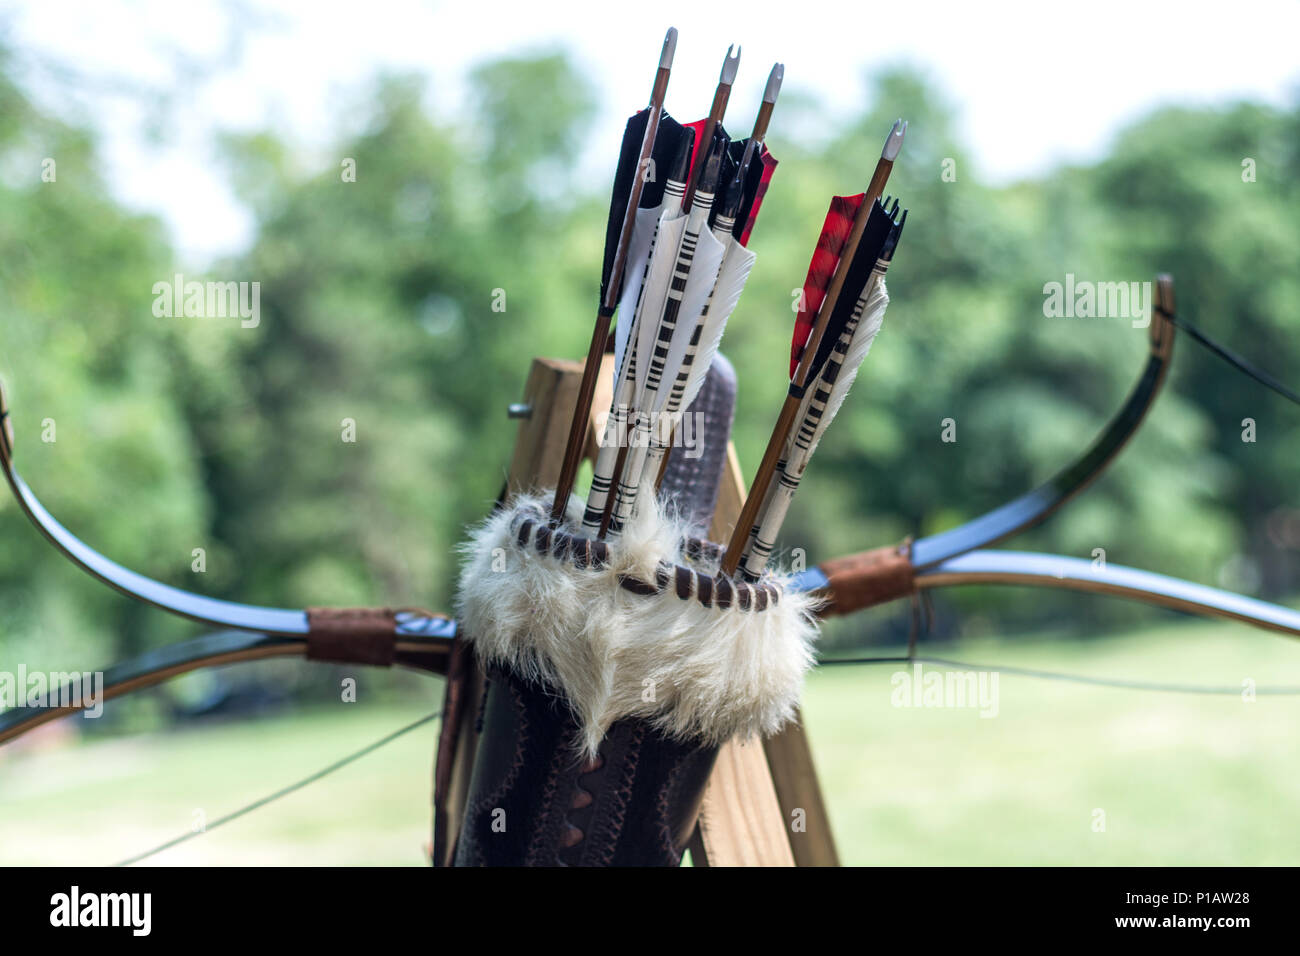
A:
x: 377, y: 306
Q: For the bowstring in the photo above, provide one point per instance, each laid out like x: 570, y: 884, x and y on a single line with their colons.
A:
x: 1121, y: 683
x: 284, y: 791
x: 1232, y: 358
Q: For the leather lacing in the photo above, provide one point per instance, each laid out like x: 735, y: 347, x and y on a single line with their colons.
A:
x: 532, y: 531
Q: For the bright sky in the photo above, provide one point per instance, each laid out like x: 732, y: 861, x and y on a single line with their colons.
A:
x: 1035, y: 83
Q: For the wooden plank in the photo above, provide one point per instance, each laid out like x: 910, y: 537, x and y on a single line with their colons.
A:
x: 741, y: 822
x: 731, y: 498
x: 552, y: 393
x: 449, y: 806
x: 794, y: 775
x: 790, y: 764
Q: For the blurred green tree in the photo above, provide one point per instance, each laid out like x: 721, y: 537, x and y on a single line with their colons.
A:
x: 90, y: 373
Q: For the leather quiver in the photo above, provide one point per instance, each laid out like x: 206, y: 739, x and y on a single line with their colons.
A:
x: 533, y: 802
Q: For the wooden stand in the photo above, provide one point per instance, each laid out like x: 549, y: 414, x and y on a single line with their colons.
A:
x: 763, y: 805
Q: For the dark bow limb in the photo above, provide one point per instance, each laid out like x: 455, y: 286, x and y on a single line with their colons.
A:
x: 196, y: 607
x: 375, y: 636
x: 180, y: 602
x: 1036, y: 506
x: 951, y: 557
x: 426, y: 652
x: 884, y: 574
x: 876, y: 577
x: 183, y: 603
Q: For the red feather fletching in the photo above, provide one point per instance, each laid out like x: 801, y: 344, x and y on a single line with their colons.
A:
x: 769, y: 167
x: 835, y: 231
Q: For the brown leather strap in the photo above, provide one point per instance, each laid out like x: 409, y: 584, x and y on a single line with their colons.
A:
x: 872, y: 577
x: 352, y: 635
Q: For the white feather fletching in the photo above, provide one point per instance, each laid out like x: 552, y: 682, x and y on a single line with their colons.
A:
x: 700, y: 285
x: 638, y: 254
x: 795, y: 458
x: 662, y: 262
x: 737, y: 262
x: 873, y: 315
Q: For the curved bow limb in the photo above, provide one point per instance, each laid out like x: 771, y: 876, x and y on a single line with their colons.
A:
x: 423, y: 648
x: 1079, y: 574
x: 873, y: 577
x: 956, y: 557
x: 1036, y: 506
x: 184, y: 603
x: 197, y: 607
x: 377, y: 636
x: 876, y: 577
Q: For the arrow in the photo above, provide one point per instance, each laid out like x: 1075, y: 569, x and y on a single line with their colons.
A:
x: 663, y: 343
x: 807, y: 341
x: 611, y: 284
x: 838, y: 371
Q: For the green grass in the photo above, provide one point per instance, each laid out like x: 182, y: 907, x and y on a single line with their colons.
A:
x: 1181, y: 779
x: 101, y: 802
x: 1190, y: 780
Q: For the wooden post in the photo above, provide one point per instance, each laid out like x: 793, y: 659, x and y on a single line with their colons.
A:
x: 794, y: 775
x: 757, y: 794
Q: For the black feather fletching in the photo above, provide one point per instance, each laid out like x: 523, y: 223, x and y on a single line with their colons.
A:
x: 879, y: 240
x: 667, y: 144
x: 753, y: 178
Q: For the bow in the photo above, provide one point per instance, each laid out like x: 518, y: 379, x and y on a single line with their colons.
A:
x: 423, y: 641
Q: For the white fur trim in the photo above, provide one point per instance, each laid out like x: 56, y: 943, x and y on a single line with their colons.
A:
x: 694, y: 672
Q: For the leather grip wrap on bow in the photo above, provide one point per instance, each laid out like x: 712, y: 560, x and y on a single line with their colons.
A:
x: 869, y: 578
x: 352, y: 635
